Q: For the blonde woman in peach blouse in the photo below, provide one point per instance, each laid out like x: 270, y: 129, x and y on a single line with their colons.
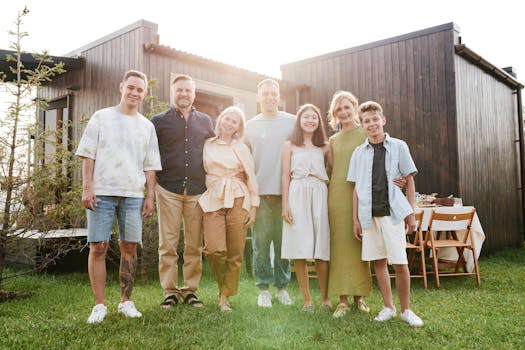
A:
x: 229, y: 203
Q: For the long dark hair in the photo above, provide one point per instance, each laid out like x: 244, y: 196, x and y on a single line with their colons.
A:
x: 319, y: 136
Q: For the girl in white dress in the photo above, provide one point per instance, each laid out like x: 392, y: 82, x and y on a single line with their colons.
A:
x: 306, y: 233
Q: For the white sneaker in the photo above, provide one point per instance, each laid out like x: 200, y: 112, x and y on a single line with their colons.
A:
x: 98, y: 313
x: 264, y: 299
x: 385, y: 314
x: 411, y: 318
x: 283, y: 297
x: 128, y: 309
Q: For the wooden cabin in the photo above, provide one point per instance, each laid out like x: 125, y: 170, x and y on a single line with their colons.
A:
x: 460, y: 115
x: 80, y: 92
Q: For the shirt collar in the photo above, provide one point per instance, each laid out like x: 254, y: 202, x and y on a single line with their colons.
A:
x: 386, y: 141
x: 178, y: 112
x: 218, y: 141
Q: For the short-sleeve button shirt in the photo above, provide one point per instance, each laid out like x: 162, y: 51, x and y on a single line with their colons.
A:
x: 398, y: 162
x: 181, y: 144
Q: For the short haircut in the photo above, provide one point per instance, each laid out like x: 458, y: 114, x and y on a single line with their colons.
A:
x: 319, y: 136
x: 242, y: 121
x: 369, y: 106
x: 135, y: 73
x: 268, y: 81
x: 181, y: 77
x: 337, y: 98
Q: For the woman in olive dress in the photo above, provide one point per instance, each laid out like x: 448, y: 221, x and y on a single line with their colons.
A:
x: 349, y: 275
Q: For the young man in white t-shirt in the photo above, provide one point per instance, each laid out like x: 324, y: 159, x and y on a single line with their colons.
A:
x: 120, y: 156
x: 265, y: 134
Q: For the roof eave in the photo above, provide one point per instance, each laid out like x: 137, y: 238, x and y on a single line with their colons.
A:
x: 498, y: 73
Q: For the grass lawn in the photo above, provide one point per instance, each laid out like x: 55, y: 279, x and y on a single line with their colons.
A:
x: 459, y: 315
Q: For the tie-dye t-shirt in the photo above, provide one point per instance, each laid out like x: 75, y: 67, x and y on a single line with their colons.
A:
x: 123, y: 147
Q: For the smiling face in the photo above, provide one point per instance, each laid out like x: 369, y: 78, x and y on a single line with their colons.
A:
x: 183, y: 92
x: 229, y: 125
x: 345, y: 112
x: 373, y: 122
x: 133, y: 91
x: 268, y: 97
x: 309, y: 121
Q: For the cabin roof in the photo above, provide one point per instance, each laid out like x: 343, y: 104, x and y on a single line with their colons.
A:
x: 460, y: 49
x: 167, y: 51
x: 31, y: 62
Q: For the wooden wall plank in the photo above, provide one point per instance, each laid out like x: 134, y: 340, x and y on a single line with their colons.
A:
x: 489, y: 175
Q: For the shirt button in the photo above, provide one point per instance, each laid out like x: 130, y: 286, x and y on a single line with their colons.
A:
x: 186, y: 152
x: 186, y: 164
x: 185, y: 178
x: 186, y: 140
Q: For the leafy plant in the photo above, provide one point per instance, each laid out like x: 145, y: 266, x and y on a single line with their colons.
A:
x: 36, y: 198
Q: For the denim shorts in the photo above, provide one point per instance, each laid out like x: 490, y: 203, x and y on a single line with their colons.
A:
x: 129, y: 217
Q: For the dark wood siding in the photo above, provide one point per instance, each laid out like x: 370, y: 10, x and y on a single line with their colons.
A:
x: 408, y: 78
x: 161, y: 66
x: 459, y: 121
x: 488, y: 153
x: 97, y: 85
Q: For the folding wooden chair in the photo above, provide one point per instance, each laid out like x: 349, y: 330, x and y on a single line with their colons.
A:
x: 415, y: 244
x: 442, y: 233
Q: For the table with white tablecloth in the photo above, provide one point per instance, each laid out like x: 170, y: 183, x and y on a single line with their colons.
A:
x: 476, y: 233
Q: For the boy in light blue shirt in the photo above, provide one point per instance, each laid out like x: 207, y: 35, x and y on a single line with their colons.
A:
x: 382, y: 213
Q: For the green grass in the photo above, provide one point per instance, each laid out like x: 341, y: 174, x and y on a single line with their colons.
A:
x: 459, y: 315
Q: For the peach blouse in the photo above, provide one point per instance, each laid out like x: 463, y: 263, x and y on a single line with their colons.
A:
x: 222, y: 162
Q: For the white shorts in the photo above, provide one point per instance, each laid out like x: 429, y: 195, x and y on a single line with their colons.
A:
x: 384, y: 240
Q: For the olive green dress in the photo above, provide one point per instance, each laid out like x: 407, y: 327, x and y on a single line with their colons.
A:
x: 349, y: 275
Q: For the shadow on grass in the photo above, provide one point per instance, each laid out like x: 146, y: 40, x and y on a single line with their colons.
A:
x: 11, y: 295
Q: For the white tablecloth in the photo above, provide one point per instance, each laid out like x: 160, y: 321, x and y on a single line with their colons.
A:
x: 476, y: 234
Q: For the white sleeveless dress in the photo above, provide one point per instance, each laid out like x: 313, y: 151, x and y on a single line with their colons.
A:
x: 308, y: 237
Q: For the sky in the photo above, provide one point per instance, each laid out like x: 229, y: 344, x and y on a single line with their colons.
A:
x: 262, y: 35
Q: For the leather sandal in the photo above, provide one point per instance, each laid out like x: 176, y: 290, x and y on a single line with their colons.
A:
x: 169, y: 302
x: 341, y: 310
x: 225, y: 307
x: 191, y: 299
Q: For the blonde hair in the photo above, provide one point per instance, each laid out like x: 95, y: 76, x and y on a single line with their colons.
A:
x: 242, y: 121
x: 369, y: 106
x: 337, y: 98
x: 267, y: 81
x: 181, y: 77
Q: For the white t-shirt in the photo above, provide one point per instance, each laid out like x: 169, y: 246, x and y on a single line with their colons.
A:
x: 265, y: 137
x: 123, y: 147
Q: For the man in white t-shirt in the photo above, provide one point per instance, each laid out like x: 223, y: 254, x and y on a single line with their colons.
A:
x: 120, y: 156
x: 265, y: 134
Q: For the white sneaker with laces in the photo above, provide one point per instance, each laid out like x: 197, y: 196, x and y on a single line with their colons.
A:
x: 264, y: 299
x: 98, y: 313
x: 385, y: 314
x: 128, y: 309
x: 411, y: 318
x: 283, y: 297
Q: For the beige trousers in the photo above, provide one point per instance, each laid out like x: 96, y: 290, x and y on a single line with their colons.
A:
x: 171, y: 207
x: 224, y: 237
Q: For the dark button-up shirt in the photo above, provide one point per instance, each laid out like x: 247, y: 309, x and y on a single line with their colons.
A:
x: 180, y: 145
